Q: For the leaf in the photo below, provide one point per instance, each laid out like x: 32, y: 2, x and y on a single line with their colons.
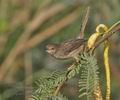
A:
x: 45, y: 86
x: 89, y: 77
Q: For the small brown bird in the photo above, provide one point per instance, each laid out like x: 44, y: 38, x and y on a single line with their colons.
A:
x: 67, y: 49
x: 70, y: 48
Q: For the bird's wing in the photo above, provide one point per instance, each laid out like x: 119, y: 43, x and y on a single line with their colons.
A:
x: 72, y: 45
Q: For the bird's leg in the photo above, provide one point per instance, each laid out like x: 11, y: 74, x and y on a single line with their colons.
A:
x: 77, y: 60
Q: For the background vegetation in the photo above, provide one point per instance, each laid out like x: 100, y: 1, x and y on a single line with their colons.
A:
x: 26, y: 26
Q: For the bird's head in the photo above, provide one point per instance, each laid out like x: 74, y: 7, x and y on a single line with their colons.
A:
x: 51, y: 48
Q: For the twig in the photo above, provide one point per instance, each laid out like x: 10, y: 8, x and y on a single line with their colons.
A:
x: 112, y: 31
x: 115, y: 28
x: 58, y: 89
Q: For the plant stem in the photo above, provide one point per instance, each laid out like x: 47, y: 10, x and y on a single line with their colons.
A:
x: 97, y: 93
x: 110, y: 32
x: 107, y: 70
x: 58, y: 89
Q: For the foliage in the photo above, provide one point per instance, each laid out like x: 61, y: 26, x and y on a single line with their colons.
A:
x: 88, y: 81
x: 89, y: 77
x: 45, y: 86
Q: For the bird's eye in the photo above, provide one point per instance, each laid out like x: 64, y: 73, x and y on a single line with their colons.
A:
x: 52, y: 48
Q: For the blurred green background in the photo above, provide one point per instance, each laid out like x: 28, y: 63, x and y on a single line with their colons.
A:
x: 26, y: 26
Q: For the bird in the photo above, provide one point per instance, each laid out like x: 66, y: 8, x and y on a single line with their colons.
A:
x: 67, y: 49
x: 70, y: 48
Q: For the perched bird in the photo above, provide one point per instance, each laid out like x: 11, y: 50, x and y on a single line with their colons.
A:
x: 69, y: 48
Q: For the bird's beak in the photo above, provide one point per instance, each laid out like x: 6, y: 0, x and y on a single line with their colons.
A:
x: 48, y: 51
